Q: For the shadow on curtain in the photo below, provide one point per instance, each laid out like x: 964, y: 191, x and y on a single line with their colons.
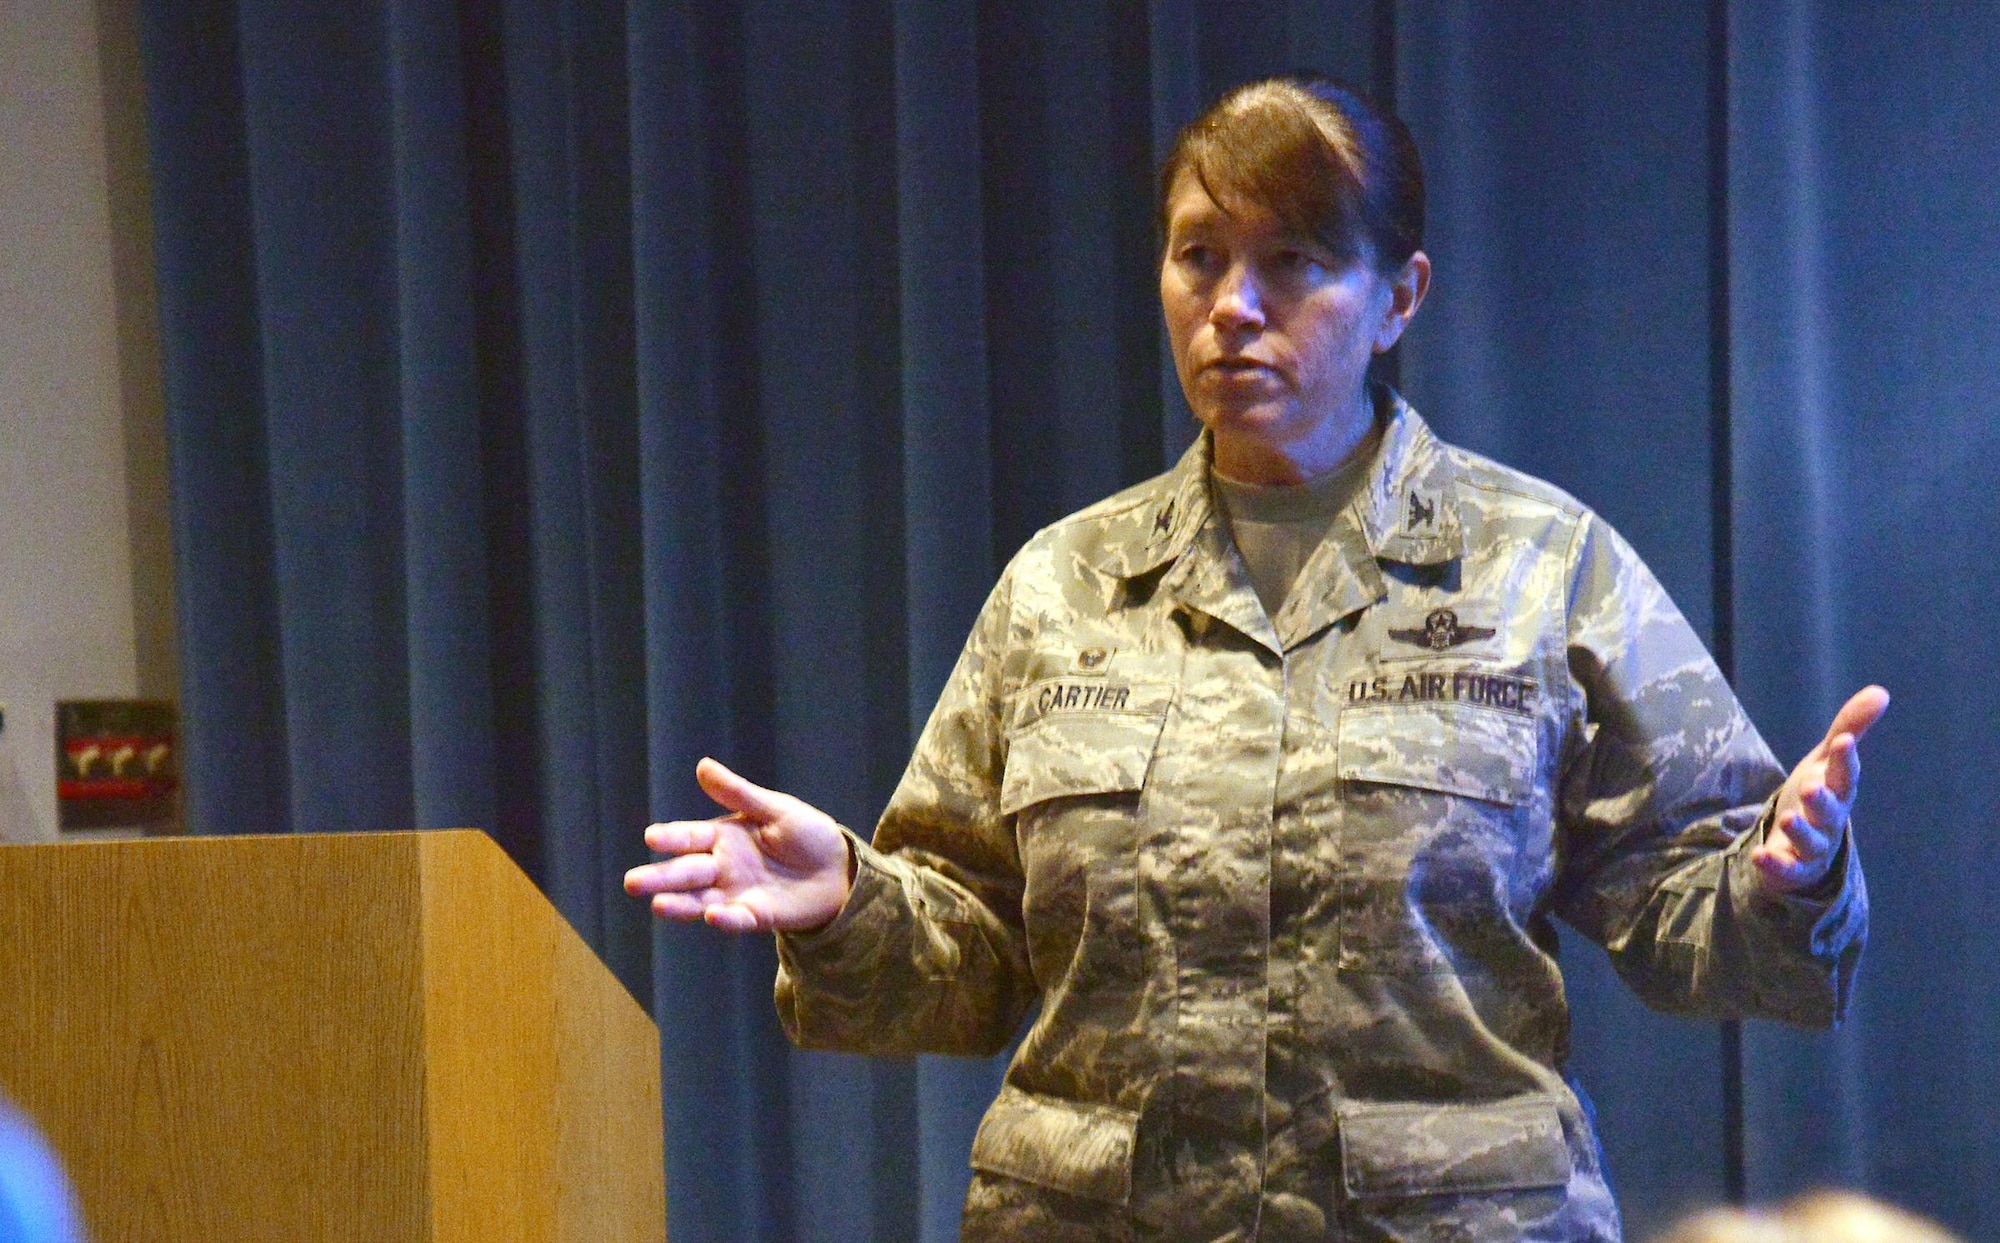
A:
x: 562, y: 390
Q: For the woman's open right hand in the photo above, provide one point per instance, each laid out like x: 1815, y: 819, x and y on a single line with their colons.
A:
x: 775, y: 864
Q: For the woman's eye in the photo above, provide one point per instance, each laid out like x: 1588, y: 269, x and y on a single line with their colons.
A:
x: 1292, y: 262
x: 1196, y: 255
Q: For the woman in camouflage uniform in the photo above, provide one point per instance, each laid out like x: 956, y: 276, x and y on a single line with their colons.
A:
x: 1265, y: 778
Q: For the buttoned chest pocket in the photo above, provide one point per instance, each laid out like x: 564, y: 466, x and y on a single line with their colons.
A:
x: 1078, y: 757
x: 1437, y: 808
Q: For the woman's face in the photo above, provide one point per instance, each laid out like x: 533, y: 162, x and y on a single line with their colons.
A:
x: 1272, y: 334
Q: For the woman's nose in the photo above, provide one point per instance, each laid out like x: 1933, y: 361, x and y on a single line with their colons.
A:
x: 1239, y: 303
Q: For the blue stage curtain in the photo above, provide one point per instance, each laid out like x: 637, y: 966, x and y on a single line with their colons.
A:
x: 561, y: 390
x: 1866, y: 277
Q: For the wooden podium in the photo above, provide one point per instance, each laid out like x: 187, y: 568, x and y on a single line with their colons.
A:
x: 372, y: 1036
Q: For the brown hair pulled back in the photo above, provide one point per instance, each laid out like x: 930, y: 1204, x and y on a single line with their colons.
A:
x: 1328, y: 161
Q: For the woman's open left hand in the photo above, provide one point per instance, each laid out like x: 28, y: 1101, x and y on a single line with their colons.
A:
x: 1811, y: 815
x: 775, y: 864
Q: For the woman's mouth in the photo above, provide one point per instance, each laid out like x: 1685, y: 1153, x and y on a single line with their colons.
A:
x: 1243, y: 368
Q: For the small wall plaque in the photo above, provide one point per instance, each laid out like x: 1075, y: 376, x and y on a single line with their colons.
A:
x: 117, y: 764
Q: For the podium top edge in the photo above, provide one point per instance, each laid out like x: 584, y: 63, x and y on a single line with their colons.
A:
x: 220, y: 840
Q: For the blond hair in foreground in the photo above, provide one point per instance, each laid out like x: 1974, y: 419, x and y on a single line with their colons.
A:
x: 1816, y: 1217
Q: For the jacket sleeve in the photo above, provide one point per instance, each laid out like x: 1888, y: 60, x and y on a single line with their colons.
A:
x: 928, y: 953
x: 1664, y: 791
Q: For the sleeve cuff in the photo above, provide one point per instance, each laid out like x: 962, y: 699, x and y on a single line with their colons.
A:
x: 1800, y: 948
x: 835, y: 947
x: 1809, y: 904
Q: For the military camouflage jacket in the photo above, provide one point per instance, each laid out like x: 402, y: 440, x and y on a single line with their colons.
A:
x: 1282, y: 887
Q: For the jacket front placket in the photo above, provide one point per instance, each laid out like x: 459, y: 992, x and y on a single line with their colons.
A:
x: 1247, y: 810
x: 1206, y: 869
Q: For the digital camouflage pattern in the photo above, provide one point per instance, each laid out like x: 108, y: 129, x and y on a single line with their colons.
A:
x: 1283, y: 887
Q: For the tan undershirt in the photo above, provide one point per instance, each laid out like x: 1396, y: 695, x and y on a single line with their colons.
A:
x: 1276, y: 527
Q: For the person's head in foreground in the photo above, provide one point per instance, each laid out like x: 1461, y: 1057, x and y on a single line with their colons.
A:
x: 1817, y: 1217
x: 35, y: 1201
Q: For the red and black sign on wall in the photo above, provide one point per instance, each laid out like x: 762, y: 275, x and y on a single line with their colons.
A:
x: 117, y: 764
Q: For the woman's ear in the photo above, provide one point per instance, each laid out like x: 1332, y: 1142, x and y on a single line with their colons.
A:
x: 1406, y: 293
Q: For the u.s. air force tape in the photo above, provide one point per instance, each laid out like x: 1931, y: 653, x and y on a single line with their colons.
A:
x: 1459, y: 686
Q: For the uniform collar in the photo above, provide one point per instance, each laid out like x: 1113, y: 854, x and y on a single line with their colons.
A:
x: 1161, y: 527
x: 1408, y: 507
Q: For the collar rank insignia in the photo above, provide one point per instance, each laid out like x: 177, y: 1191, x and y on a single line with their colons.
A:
x: 1442, y: 632
x: 1421, y: 515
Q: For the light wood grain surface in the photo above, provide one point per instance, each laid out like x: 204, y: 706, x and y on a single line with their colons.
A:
x: 379, y: 1037
x: 610, y: 1145
x: 490, y: 1024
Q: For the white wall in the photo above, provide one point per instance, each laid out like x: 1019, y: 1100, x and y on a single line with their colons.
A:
x: 78, y: 390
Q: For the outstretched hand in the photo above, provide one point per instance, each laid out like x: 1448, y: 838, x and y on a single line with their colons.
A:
x: 1813, y: 806
x: 775, y: 864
